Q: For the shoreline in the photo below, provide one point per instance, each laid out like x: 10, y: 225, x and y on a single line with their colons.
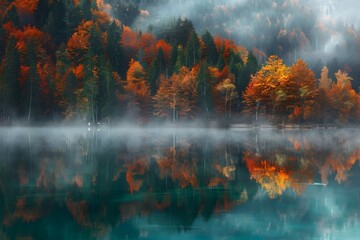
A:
x: 196, y: 125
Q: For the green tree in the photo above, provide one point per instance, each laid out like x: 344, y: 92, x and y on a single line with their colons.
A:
x: 204, y: 86
x: 113, y: 48
x: 242, y: 72
x: 32, y: 90
x: 157, y: 67
x: 41, y: 13
x: 12, y: 16
x: 180, y: 61
x: 65, y: 85
x: 85, y: 6
x: 212, y: 55
x: 72, y: 19
x: 192, y: 51
x: 177, y: 32
x: 10, y: 84
x: 91, y: 78
x: 236, y: 67
x: 173, y: 59
x: 221, y: 62
x: 107, y: 91
x: 55, y: 24
x: 97, y: 47
x: 252, y: 65
x: 2, y: 41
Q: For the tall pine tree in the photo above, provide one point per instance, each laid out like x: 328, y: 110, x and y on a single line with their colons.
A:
x: 157, y: 67
x: 212, y: 55
x: 10, y: 84
x: 204, y: 86
x: 32, y: 88
x: 192, y: 51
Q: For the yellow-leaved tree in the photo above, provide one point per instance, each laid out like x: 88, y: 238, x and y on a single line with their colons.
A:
x: 263, y: 93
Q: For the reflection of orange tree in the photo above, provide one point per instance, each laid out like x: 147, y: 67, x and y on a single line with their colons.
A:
x: 92, y: 207
x: 79, y: 211
x: 27, y: 212
x: 134, y: 171
x: 294, y: 163
x: 328, y: 160
x: 275, y: 174
x: 179, y: 166
x: 273, y: 179
x: 340, y: 163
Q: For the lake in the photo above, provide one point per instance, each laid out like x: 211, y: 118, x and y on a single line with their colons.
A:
x: 153, y: 183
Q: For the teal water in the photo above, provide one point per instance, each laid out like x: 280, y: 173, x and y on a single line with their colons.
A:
x: 73, y: 183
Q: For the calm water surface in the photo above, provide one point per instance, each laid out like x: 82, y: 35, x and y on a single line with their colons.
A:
x: 64, y: 183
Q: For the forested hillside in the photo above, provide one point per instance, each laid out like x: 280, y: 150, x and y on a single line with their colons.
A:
x: 85, y: 60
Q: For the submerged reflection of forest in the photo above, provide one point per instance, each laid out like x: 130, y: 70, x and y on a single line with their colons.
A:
x: 105, y: 184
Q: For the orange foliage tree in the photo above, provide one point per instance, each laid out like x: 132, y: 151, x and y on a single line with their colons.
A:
x: 278, y: 89
x: 177, y: 96
x: 28, y: 6
x: 263, y: 91
x: 41, y: 39
x: 325, y: 85
x: 343, y: 98
x: 78, y: 43
x: 302, y: 92
x: 143, y: 45
x: 137, y: 88
x: 130, y: 40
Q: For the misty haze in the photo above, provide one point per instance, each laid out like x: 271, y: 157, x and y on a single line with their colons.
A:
x: 179, y: 119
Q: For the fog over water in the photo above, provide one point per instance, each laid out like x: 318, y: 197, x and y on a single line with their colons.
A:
x: 166, y: 183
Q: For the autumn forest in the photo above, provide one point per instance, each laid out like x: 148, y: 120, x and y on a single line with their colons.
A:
x: 179, y: 119
x: 73, y: 60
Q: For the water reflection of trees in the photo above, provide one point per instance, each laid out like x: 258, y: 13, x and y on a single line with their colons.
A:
x: 95, y: 184
x: 294, y: 161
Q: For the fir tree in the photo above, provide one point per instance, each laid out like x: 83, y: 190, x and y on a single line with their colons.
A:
x: 32, y: 90
x: 91, y: 79
x: 204, y: 86
x: 10, y: 84
x: 192, y: 52
x: 173, y: 60
x: 55, y: 24
x: 113, y: 49
x: 12, y: 16
x: 157, y: 67
x: 211, y: 52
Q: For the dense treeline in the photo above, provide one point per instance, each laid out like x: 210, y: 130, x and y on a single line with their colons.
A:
x: 73, y: 60
x: 293, y: 94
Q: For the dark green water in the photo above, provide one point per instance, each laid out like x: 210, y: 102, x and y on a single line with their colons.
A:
x: 178, y: 184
